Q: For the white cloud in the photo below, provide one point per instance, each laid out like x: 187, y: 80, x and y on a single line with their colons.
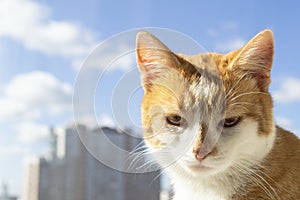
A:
x: 88, y: 120
x: 109, y: 56
x: 30, y: 23
x: 226, y: 36
x: 92, y: 121
x: 33, y: 95
x: 12, y: 150
x: 223, y: 28
x: 229, y: 26
x: 288, y: 92
x: 284, y: 122
x: 230, y: 45
x: 106, y: 121
x: 30, y: 132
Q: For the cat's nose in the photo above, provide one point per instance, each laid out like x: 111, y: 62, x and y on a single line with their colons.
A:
x: 198, y: 155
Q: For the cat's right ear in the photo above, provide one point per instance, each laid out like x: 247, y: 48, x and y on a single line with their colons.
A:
x: 153, y: 58
x: 256, y: 58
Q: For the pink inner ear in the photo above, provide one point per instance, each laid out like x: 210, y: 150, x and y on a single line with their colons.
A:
x: 256, y: 58
x: 142, y: 60
x: 149, y: 49
x: 263, y: 81
x: 153, y: 58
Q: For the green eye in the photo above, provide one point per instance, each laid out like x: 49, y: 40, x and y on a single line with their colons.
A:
x: 230, y: 122
x: 174, y: 120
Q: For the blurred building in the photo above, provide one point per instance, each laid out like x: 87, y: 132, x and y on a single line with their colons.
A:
x: 5, y: 193
x: 71, y: 172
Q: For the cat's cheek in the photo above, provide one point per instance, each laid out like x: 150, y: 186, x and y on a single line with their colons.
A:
x: 167, y: 138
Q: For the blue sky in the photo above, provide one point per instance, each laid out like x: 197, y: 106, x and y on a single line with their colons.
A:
x: 42, y: 44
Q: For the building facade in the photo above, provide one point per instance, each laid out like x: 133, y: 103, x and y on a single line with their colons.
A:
x: 75, y: 170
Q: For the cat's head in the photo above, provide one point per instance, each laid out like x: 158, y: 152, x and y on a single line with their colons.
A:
x: 207, y: 113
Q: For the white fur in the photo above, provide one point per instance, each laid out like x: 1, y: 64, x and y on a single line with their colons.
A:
x: 240, y: 144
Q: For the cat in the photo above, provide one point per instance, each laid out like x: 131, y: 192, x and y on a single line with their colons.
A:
x: 208, y: 121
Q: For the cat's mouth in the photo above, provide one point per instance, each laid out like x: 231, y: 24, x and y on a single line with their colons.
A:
x: 193, y: 165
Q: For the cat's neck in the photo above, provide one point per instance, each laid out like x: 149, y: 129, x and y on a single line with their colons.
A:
x: 218, y: 187
x: 279, y: 170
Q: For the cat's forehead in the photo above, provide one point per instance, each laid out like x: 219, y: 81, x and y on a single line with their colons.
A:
x: 192, y: 86
x: 206, y: 67
x: 205, y: 94
x: 203, y: 63
x: 207, y: 91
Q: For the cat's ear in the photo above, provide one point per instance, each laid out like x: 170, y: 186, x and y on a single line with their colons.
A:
x: 153, y: 57
x: 256, y: 58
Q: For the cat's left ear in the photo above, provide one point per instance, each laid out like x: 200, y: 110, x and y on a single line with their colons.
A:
x: 256, y: 58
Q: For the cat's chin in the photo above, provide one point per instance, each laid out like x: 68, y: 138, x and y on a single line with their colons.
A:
x: 200, y: 169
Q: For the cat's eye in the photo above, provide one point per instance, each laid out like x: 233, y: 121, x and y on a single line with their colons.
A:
x: 232, y: 121
x: 174, y: 120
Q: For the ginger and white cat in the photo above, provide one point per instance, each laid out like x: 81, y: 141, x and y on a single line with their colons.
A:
x: 209, y: 123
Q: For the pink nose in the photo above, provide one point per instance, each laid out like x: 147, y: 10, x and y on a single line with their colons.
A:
x: 199, y: 156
